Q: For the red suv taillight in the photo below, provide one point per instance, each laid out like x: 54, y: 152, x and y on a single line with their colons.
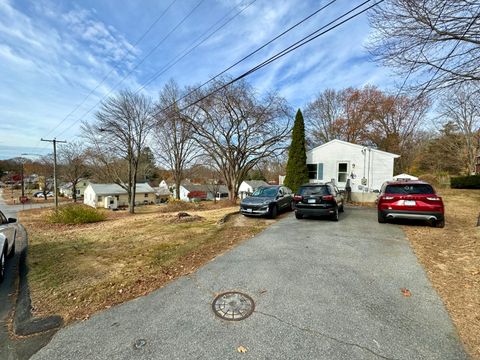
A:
x: 297, y: 197
x: 327, y: 197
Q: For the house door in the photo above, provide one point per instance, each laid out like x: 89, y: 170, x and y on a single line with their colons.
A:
x: 342, y: 174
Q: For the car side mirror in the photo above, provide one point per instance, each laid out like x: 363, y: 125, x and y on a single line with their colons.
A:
x: 12, y: 220
x: 279, y: 196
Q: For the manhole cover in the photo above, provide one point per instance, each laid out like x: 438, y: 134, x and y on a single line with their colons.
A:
x: 233, y: 306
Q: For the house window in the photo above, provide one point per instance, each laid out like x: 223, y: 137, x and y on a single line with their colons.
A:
x: 315, y: 171
x: 146, y: 195
x: 99, y: 198
x: 77, y: 192
x: 342, y: 172
x: 312, y: 171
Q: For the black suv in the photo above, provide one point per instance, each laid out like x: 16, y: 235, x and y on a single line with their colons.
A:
x: 318, y: 200
x: 267, y: 200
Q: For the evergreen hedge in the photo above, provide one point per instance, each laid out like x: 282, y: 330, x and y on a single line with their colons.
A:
x: 465, y: 182
x: 297, y: 171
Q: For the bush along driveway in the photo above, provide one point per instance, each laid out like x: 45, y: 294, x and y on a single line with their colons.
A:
x: 322, y: 290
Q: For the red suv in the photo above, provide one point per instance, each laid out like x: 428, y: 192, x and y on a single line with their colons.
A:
x: 410, y: 200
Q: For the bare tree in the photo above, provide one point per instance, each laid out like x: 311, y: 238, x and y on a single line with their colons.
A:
x: 237, y: 129
x: 44, y: 168
x: 322, y: 117
x: 120, y: 132
x: 440, y: 38
x: 461, y: 107
x: 176, y: 147
x: 73, y: 166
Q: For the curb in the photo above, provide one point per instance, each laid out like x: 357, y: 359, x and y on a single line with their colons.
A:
x: 23, y: 322
x: 227, y: 217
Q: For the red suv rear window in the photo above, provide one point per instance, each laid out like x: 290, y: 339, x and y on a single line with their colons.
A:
x: 409, y: 189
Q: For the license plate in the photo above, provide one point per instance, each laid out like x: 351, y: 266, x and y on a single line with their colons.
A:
x: 410, y: 203
x: 249, y: 210
x: 312, y: 201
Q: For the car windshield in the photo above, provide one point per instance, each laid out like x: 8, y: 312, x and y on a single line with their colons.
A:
x: 409, y: 189
x: 265, y: 192
x: 313, y: 190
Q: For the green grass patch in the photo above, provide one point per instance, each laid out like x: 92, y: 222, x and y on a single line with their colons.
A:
x: 75, y: 214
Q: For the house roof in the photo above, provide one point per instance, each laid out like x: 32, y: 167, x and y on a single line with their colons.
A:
x: 204, y: 188
x: 115, y: 189
x: 360, y: 147
x: 255, y: 183
x: 161, y: 191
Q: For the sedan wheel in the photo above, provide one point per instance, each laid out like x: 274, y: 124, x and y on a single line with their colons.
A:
x: 273, y: 212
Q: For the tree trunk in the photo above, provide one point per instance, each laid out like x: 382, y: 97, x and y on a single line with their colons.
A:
x: 177, y: 188
x: 74, y: 192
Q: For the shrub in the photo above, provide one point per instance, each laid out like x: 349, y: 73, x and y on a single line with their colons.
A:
x: 75, y: 214
x: 465, y: 182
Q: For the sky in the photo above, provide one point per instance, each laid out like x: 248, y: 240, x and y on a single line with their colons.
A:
x: 59, y: 58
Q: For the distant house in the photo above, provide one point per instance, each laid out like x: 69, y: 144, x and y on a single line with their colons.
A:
x: 113, y: 195
x: 162, y: 193
x: 192, y: 192
x: 66, y: 189
x: 365, y: 168
x: 247, y: 187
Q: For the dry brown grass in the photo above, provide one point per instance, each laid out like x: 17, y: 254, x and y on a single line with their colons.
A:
x: 451, y: 257
x: 76, y: 270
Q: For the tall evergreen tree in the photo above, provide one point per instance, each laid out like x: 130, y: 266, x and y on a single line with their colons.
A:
x: 297, y: 171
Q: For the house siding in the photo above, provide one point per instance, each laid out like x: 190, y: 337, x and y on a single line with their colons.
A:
x: 375, y: 166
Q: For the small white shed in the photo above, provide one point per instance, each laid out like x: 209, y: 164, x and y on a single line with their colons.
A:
x: 339, y: 161
x: 247, y: 187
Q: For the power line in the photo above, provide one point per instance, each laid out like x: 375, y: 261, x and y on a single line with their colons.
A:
x: 312, y: 36
x: 145, y: 33
x: 187, y: 52
x: 142, y: 60
x: 233, y: 65
x: 263, y: 46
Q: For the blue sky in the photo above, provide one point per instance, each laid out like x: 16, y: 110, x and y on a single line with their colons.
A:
x: 54, y: 52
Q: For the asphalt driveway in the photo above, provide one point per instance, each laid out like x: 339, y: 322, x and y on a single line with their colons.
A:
x: 323, y: 290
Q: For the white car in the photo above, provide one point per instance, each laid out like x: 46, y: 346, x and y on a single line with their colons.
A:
x: 40, y: 195
x: 8, y: 234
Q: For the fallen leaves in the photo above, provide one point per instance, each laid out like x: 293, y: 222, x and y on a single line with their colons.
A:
x: 242, y: 349
x: 406, y: 292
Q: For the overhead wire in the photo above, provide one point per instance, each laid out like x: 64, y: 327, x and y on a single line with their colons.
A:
x: 144, y: 34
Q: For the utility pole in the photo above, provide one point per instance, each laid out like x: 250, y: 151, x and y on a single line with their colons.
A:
x: 54, y: 141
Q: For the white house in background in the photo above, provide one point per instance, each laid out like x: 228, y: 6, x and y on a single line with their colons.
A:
x: 404, y: 177
x: 339, y: 161
x: 113, y: 196
x: 190, y: 192
x: 66, y: 189
x: 247, y: 187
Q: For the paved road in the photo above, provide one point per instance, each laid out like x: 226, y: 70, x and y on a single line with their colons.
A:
x: 323, y: 290
x: 15, y: 348
x: 12, y: 210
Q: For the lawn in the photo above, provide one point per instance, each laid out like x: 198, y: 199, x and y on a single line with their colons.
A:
x: 76, y: 270
x: 451, y: 258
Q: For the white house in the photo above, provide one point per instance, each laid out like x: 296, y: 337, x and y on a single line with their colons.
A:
x: 113, y: 195
x: 67, y: 188
x: 247, y: 187
x: 189, y: 192
x: 339, y: 161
